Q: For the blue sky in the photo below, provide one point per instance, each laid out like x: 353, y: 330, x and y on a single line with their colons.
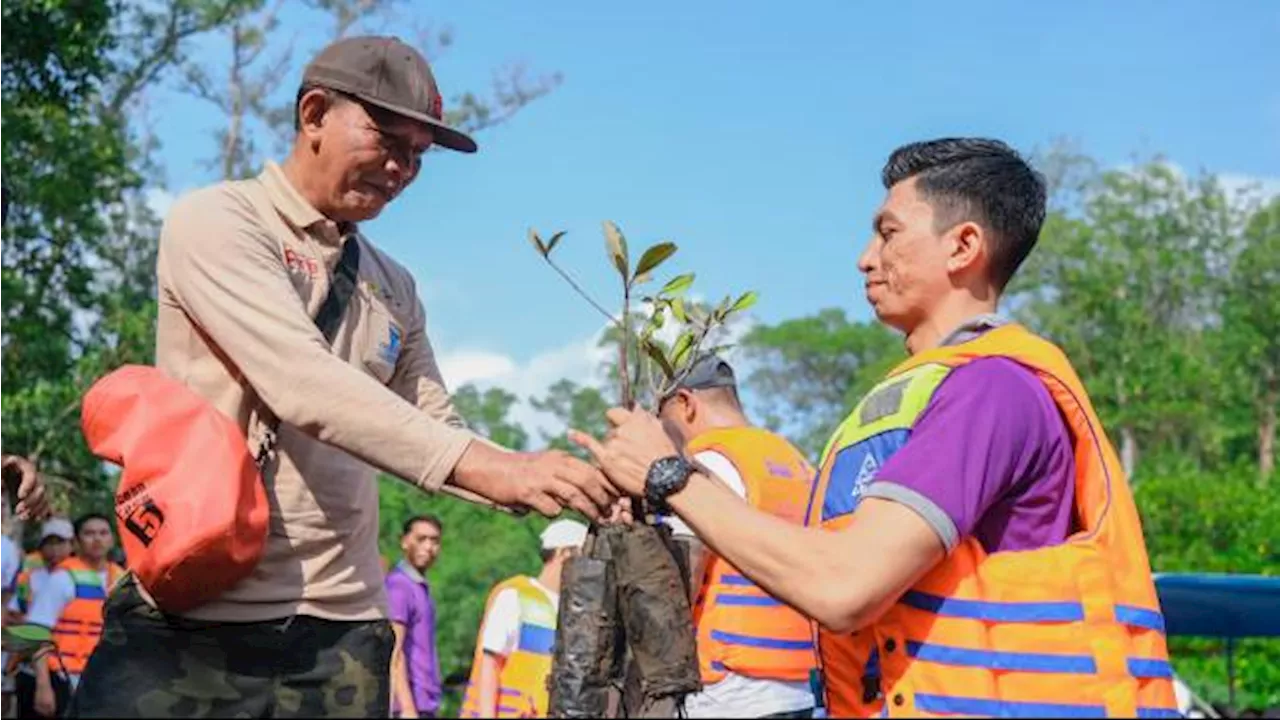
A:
x: 752, y: 134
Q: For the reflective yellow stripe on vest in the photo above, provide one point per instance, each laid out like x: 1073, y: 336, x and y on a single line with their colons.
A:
x: 522, y: 689
x: 876, y: 429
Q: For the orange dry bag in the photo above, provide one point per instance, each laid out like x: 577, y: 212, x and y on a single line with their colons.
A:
x: 191, y: 506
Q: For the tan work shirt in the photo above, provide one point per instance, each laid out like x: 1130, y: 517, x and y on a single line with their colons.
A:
x: 243, y: 268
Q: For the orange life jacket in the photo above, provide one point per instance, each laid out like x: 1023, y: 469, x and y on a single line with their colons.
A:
x: 741, y: 628
x: 522, y: 681
x: 1063, y: 631
x: 79, y: 627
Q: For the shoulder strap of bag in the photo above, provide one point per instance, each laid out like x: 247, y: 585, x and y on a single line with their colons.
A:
x: 334, y: 307
x: 341, y: 289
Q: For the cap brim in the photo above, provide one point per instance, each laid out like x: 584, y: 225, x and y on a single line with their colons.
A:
x: 443, y: 135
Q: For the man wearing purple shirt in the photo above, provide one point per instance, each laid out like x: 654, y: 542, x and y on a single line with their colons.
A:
x: 997, y: 466
x: 415, y: 669
x: 923, y: 483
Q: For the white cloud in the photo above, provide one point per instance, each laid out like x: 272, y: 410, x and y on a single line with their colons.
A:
x: 471, y: 366
x: 581, y: 361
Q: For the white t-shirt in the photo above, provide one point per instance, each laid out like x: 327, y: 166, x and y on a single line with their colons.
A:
x: 502, y: 624
x: 11, y: 558
x: 738, y: 695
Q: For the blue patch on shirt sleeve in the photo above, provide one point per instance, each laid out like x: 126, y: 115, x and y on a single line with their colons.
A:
x: 854, y: 468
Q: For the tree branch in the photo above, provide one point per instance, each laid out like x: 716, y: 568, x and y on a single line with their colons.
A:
x: 152, y: 64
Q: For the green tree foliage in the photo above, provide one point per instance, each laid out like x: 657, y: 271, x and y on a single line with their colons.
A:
x: 78, y: 240
x: 574, y: 406
x: 807, y: 373
x: 1251, y: 330
x: 1215, y: 522
x: 1130, y: 283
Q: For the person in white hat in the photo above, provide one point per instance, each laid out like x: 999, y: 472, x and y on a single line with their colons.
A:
x: 56, y: 535
x: 513, y: 652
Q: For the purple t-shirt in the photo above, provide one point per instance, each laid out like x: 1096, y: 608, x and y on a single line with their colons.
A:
x: 410, y: 602
x: 989, y: 458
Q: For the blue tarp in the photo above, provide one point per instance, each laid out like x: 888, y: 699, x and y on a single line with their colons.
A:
x: 1225, y: 606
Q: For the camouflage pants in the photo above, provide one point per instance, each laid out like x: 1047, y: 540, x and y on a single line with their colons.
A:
x: 152, y: 666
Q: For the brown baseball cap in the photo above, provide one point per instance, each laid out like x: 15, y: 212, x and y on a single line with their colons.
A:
x: 386, y: 72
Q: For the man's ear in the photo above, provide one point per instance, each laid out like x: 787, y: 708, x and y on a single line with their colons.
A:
x: 968, y: 247
x: 313, y: 107
x: 689, y: 406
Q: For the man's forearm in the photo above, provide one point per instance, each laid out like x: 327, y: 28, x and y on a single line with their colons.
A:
x: 40, y: 666
x: 844, y: 579
x: 404, y: 693
x: 488, y: 471
x: 488, y: 695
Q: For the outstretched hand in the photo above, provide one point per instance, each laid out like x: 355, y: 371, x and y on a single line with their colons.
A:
x: 636, y: 441
x: 556, y: 480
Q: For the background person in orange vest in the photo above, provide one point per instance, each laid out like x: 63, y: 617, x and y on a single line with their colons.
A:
x: 70, y: 602
x: 513, y: 650
x: 56, y: 535
x: 978, y: 551
x: 756, y: 653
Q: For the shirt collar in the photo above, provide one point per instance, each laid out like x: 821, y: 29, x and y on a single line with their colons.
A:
x: 412, y: 572
x: 974, y: 327
x: 295, y: 208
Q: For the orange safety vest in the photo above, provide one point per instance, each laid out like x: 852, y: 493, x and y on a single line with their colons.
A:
x: 22, y: 587
x: 522, y: 681
x: 741, y: 628
x: 80, y: 626
x: 1073, y: 630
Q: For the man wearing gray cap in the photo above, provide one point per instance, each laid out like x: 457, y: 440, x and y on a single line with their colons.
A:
x: 248, y: 273
x: 756, y: 654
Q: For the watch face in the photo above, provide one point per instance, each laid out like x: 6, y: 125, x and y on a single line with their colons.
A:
x: 666, y: 476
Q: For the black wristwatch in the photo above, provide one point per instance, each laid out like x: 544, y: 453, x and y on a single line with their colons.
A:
x: 666, y: 477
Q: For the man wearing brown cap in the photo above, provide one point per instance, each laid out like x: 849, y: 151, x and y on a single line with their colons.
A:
x: 248, y: 273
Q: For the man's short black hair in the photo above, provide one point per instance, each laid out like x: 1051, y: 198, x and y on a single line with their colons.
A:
x: 424, y: 518
x: 982, y: 180
x: 84, y: 519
